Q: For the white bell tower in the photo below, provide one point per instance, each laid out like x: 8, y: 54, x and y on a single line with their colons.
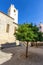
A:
x: 13, y: 12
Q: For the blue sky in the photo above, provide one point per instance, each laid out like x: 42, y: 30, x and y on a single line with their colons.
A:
x: 29, y: 10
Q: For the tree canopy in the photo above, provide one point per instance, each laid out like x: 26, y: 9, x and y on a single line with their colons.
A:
x: 39, y: 35
x: 25, y: 32
x: 28, y: 32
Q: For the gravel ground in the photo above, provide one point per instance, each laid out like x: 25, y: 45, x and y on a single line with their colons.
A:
x: 35, y: 56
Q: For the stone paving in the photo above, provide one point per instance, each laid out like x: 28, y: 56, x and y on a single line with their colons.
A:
x: 35, y: 56
x: 4, y: 57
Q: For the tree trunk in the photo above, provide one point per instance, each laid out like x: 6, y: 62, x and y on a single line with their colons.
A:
x: 27, y: 50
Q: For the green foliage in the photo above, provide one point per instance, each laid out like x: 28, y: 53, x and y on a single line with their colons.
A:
x: 38, y: 34
x: 25, y: 33
x: 40, y: 37
x: 28, y: 32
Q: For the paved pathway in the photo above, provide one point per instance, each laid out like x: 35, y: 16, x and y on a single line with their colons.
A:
x: 4, y: 57
x: 35, y: 56
x: 36, y: 50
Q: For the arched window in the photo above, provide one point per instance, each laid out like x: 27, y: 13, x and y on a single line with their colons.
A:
x: 14, y: 10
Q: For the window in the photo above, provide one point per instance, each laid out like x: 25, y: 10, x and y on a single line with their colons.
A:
x: 7, y: 29
x: 40, y: 27
x: 14, y: 10
x: 14, y: 29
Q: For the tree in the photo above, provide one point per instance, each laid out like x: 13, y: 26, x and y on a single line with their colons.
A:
x: 25, y: 33
x: 35, y: 30
x: 39, y: 35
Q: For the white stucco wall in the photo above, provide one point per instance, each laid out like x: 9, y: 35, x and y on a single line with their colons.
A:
x: 41, y: 27
x: 4, y: 36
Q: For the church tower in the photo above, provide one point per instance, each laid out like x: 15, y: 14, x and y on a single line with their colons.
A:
x: 13, y: 12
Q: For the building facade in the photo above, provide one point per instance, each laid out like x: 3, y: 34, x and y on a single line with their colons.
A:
x: 41, y: 27
x: 8, y: 25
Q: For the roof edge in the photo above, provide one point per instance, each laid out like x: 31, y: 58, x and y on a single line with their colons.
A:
x: 8, y: 16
